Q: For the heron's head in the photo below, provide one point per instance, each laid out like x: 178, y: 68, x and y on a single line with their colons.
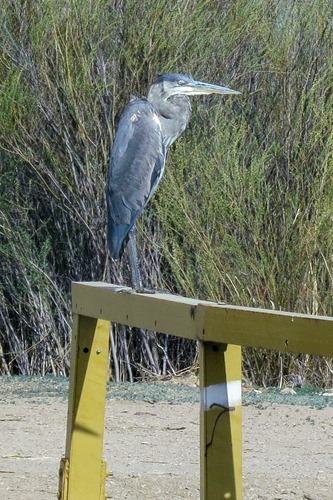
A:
x: 172, y: 84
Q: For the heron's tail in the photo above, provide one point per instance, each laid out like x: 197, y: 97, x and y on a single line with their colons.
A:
x: 117, y: 237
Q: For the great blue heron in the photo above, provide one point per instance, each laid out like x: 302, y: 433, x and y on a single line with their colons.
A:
x: 147, y: 128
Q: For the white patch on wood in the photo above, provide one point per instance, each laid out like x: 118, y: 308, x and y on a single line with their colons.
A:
x: 229, y: 394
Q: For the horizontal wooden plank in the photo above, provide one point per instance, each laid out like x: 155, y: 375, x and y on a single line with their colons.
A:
x: 161, y: 312
x: 190, y: 318
x: 277, y: 330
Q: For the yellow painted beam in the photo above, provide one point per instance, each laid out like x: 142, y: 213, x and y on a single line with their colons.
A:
x: 281, y: 331
x: 221, y: 330
x: 183, y: 317
x: 220, y: 422
x: 161, y: 312
x: 83, y: 472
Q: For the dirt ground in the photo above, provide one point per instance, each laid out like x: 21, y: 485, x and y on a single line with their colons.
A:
x: 152, y: 450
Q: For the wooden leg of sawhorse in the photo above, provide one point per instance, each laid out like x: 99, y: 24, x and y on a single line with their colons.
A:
x: 220, y: 422
x: 82, y: 472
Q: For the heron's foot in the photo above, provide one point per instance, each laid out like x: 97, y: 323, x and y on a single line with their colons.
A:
x: 155, y: 290
x: 143, y: 289
x: 164, y: 290
x: 123, y: 290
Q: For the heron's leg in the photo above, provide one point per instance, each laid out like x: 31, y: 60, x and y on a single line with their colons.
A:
x: 134, y: 260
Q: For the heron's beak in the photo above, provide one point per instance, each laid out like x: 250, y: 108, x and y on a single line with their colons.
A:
x: 200, y: 88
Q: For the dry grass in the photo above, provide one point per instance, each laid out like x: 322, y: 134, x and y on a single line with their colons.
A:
x: 244, y: 214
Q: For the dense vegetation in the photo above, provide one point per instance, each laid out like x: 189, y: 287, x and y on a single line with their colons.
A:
x: 244, y: 213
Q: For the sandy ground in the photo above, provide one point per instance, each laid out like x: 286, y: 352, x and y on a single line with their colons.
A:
x: 152, y: 450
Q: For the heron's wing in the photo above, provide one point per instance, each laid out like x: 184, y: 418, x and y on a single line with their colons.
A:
x: 136, y: 166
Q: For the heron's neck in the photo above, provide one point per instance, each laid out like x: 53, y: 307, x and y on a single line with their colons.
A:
x: 174, y: 114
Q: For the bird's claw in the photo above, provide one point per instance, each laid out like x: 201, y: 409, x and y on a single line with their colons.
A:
x: 136, y: 290
x: 142, y: 289
x: 123, y: 290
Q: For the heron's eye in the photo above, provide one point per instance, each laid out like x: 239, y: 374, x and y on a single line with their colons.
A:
x: 181, y: 82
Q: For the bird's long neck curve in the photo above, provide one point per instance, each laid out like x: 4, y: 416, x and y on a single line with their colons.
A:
x: 174, y: 114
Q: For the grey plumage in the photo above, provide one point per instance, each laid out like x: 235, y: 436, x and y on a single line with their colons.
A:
x: 147, y: 128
